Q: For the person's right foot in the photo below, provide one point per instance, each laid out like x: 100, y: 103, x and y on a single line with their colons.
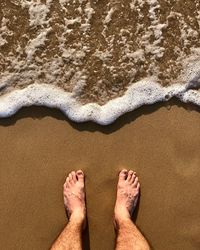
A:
x: 74, y: 196
x: 127, y: 195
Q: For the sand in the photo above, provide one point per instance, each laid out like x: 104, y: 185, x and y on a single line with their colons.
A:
x: 39, y: 146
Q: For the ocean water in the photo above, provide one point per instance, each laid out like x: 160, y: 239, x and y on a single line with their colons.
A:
x: 96, y: 60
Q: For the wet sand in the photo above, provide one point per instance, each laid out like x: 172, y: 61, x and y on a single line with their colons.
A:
x: 39, y: 146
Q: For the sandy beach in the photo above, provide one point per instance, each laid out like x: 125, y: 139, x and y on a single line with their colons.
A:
x: 96, y: 61
x: 39, y: 146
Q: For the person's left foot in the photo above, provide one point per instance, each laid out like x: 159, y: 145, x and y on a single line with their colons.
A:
x: 74, y: 196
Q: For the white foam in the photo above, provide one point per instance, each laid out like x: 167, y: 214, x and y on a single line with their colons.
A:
x: 4, y: 31
x: 35, y: 43
x: 89, y: 12
x: 107, y: 20
x: 144, y: 92
x: 108, y: 17
x: 35, y: 80
x: 37, y: 11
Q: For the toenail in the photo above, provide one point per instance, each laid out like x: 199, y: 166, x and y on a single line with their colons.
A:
x: 124, y: 171
x: 80, y: 172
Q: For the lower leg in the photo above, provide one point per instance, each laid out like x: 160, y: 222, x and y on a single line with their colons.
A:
x: 71, y: 236
x: 128, y: 235
x: 74, y: 200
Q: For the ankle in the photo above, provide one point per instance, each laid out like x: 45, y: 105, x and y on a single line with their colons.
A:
x: 121, y: 220
x: 123, y: 223
x: 78, y: 216
x: 121, y: 213
x: 121, y: 216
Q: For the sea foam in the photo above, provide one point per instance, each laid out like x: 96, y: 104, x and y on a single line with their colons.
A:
x: 96, y: 61
x: 143, y: 93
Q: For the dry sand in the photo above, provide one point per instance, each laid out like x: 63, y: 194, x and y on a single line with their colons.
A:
x: 39, y: 147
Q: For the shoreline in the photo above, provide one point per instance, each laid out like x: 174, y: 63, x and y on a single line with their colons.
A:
x: 142, y: 93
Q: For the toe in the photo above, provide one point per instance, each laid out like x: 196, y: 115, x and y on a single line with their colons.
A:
x: 73, y: 173
x: 80, y: 175
x: 123, y: 174
x: 135, y: 182
x: 130, y: 173
x: 67, y: 182
x: 70, y: 178
x: 133, y: 177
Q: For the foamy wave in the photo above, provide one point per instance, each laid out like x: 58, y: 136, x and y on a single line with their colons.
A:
x: 143, y: 93
x: 95, y: 60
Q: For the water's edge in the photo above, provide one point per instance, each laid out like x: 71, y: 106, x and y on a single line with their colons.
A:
x: 137, y: 95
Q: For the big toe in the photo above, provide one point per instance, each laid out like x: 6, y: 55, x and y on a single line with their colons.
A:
x: 123, y: 175
x: 80, y: 175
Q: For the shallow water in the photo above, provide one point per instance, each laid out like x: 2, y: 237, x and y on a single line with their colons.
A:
x: 96, y: 51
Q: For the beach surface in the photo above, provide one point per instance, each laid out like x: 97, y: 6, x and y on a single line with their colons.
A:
x: 39, y: 147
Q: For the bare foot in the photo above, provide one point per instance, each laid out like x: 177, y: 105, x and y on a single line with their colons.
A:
x: 127, y: 195
x: 74, y: 196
